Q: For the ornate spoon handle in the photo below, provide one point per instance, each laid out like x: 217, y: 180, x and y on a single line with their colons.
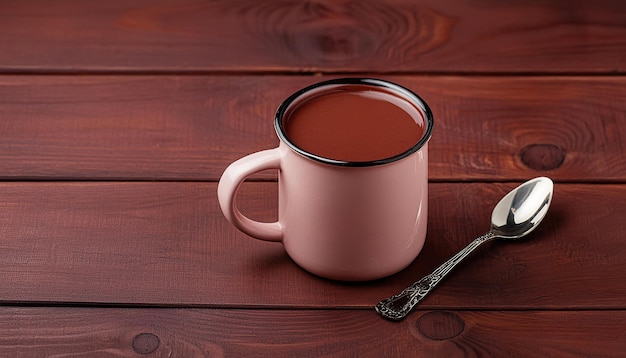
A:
x: 398, y: 306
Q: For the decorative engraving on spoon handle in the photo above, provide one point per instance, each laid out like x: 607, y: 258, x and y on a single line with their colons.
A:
x: 398, y: 306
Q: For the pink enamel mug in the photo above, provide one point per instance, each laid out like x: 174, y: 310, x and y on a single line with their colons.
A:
x: 349, y: 219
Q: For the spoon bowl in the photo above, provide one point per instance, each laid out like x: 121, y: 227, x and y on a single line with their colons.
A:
x: 521, y: 210
x: 516, y: 215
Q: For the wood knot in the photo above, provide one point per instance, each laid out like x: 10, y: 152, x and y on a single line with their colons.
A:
x: 327, y: 42
x: 145, y: 343
x: 350, y: 34
x: 438, y: 325
x: 542, y: 156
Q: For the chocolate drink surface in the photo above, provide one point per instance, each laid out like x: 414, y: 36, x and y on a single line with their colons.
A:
x: 355, y: 124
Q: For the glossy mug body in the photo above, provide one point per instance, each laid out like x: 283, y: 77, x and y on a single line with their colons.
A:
x: 340, y: 220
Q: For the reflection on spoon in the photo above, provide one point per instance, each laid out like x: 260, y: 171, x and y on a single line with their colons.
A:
x: 516, y: 215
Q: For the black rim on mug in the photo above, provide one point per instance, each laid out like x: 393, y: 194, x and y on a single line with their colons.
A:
x: 391, y: 88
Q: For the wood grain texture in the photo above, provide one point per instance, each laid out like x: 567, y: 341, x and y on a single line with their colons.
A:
x: 314, y: 36
x: 192, y: 127
x: 106, y: 332
x: 118, y: 117
x: 168, y: 244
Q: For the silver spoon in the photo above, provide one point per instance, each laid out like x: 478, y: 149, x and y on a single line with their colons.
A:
x: 516, y: 215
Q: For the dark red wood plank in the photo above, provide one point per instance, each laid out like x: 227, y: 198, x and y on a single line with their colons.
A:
x: 325, y: 36
x: 192, y: 127
x: 94, y: 332
x: 168, y: 244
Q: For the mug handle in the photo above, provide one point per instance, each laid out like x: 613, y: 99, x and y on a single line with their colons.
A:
x: 229, y: 184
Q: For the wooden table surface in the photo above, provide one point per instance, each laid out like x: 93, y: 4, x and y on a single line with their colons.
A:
x: 117, y: 118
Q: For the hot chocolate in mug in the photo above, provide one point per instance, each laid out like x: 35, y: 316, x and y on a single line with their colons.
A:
x: 352, y: 179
